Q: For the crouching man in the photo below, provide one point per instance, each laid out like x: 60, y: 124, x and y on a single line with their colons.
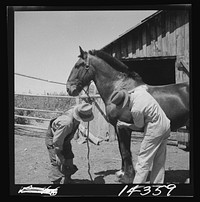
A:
x: 60, y: 132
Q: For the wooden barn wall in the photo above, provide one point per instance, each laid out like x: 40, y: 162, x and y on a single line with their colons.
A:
x: 166, y: 34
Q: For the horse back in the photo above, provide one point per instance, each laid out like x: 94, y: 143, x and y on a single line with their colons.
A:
x: 174, y: 100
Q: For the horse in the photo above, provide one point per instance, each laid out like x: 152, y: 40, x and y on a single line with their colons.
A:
x: 109, y: 75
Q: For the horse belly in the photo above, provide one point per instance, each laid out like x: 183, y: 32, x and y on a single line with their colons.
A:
x: 176, y: 111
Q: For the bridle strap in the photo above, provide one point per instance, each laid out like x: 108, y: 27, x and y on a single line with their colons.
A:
x: 86, y: 68
x: 87, y: 63
x: 87, y: 92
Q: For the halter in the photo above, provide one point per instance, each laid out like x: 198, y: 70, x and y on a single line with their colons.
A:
x: 87, y: 67
x: 87, y: 64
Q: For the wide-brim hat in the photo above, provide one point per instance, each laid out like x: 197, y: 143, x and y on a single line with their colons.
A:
x: 83, y: 112
x: 120, y: 98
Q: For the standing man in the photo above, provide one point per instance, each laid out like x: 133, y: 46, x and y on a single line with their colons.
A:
x: 60, y: 132
x: 146, y: 113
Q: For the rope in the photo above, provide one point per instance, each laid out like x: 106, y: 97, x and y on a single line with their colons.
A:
x: 88, y: 146
x: 96, y: 104
x: 88, y: 154
x: 32, y: 77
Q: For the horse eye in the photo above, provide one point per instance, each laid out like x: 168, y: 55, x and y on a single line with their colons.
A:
x: 79, y: 65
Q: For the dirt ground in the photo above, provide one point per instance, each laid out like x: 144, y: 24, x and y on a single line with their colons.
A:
x: 32, y: 161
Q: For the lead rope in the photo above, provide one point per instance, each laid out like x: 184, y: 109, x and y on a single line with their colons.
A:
x: 88, y: 154
x: 87, y: 140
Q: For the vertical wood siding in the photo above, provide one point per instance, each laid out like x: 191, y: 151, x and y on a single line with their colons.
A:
x: 165, y: 34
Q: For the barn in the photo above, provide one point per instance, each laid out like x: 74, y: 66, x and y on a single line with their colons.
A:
x: 158, y: 48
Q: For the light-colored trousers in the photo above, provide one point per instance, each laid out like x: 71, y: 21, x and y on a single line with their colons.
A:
x: 152, y: 152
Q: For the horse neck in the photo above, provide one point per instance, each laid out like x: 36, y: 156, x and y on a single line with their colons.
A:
x: 107, y: 80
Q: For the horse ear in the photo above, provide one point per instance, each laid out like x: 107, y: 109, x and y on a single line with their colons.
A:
x: 82, y: 53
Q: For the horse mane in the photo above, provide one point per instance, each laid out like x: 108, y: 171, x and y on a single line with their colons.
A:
x: 116, y: 64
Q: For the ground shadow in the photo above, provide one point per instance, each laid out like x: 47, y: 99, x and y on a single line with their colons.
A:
x: 100, y: 179
x: 97, y: 180
x: 175, y: 176
x: 171, y: 176
x: 106, y: 172
x: 83, y: 181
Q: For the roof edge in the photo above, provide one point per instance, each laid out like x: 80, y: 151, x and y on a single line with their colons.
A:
x: 134, y: 27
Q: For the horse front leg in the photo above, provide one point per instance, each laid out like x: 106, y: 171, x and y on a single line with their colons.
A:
x: 124, y: 142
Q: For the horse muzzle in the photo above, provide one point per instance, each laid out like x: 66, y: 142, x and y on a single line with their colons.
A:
x: 73, y: 89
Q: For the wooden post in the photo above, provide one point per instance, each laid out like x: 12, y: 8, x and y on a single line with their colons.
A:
x: 111, y: 133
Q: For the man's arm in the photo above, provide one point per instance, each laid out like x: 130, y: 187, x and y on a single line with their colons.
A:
x: 122, y: 124
x: 59, y: 155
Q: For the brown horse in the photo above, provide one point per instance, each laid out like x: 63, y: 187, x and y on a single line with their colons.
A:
x: 109, y: 75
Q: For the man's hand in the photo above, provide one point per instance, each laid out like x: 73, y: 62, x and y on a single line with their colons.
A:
x: 121, y: 124
x: 59, y: 157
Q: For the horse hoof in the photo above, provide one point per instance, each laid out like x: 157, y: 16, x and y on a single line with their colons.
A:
x: 119, y: 173
x: 126, y: 179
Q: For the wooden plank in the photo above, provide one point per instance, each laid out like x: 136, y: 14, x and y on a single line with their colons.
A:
x: 38, y: 110
x: 159, y: 36
x: 172, y: 35
x: 173, y: 135
x: 137, y: 38
x: 164, y: 32
x: 114, y: 50
x: 29, y: 126
x: 138, y: 137
x: 144, y: 41
x: 134, y: 45
x: 185, y: 67
x: 56, y: 96
x: 49, y: 96
x: 177, y: 72
x: 167, y: 28
x: 182, y: 33
x: 31, y: 117
x: 153, y: 39
x: 140, y: 42
x: 148, y: 39
x: 129, y: 48
x: 124, y: 53
x: 118, y: 50
x: 179, y: 33
x: 187, y: 37
x: 172, y: 142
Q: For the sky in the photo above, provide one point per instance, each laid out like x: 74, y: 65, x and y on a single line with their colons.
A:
x: 46, y: 43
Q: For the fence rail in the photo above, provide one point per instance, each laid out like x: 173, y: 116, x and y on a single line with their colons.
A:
x: 99, y: 126
x: 32, y: 117
x: 58, y: 96
x: 38, y: 110
x: 29, y: 126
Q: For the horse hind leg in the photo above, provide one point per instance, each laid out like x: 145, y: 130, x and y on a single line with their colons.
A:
x: 188, y: 125
x: 124, y: 140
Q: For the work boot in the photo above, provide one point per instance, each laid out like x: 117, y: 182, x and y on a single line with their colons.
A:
x: 119, y: 173
x: 73, y: 169
x: 68, y: 171
x: 58, y: 181
x: 69, y: 167
x: 67, y: 179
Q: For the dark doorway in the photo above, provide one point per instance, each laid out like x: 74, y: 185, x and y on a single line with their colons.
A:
x: 154, y: 71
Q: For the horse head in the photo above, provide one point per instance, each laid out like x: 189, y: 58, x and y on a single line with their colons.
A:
x: 81, y: 74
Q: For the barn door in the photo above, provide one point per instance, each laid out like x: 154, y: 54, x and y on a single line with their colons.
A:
x: 154, y: 71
